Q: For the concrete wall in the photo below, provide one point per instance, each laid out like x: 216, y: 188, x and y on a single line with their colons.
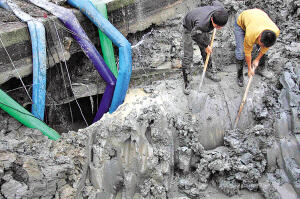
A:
x: 137, y: 15
x: 128, y: 16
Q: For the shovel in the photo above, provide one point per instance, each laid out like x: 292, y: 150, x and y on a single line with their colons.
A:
x: 243, y: 102
x: 197, y: 99
x: 244, y: 98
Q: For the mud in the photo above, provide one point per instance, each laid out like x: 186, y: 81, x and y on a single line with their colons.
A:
x: 147, y: 152
x: 151, y: 151
x: 153, y: 147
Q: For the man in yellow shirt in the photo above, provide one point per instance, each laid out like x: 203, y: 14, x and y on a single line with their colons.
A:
x: 253, y: 26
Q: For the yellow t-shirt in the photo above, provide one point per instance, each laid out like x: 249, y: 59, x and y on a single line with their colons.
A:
x: 254, y: 22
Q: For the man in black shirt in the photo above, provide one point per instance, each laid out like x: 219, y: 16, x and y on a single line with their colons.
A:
x: 197, y: 24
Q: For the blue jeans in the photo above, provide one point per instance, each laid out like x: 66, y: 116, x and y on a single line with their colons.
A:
x: 239, y: 34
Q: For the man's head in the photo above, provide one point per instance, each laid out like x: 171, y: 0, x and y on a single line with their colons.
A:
x: 219, y: 18
x: 267, y: 38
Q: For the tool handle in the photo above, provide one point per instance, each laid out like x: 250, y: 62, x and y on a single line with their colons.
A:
x: 244, y: 97
x: 207, y: 59
x: 243, y: 102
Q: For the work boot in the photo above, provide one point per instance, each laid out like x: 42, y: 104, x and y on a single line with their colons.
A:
x: 213, y: 76
x: 239, y: 68
x: 187, y: 89
x: 186, y: 79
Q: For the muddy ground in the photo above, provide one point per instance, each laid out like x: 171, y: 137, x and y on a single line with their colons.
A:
x: 154, y: 147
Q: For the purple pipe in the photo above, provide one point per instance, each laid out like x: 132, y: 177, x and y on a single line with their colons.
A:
x: 99, y: 63
x: 70, y: 21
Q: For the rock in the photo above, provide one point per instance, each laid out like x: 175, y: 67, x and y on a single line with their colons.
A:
x: 67, y: 192
x: 184, y: 158
x: 14, y: 189
x: 13, y: 124
x: 294, y: 48
x: 7, y: 159
x: 230, y: 188
x: 246, y: 158
x: 267, y: 188
x: 287, y: 81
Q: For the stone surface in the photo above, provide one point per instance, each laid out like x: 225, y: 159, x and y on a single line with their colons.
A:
x: 13, y: 190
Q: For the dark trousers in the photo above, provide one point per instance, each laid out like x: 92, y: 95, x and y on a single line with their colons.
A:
x: 188, y: 51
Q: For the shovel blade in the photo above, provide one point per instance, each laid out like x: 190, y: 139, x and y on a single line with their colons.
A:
x: 197, y: 101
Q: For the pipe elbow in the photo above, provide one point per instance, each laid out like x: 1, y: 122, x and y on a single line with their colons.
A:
x: 67, y: 16
x: 125, y: 43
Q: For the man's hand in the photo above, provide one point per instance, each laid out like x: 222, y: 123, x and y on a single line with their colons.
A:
x: 208, y: 50
x: 255, y: 64
x: 250, y: 72
x: 253, y: 67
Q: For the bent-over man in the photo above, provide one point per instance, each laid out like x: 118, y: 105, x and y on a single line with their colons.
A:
x: 197, y: 24
x: 253, y: 26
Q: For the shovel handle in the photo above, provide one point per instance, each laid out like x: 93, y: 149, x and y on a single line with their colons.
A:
x: 243, y: 102
x: 207, y: 58
x: 244, y: 98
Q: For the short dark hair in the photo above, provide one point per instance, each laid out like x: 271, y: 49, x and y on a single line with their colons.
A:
x: 220, y: 17
x: 268, y: 38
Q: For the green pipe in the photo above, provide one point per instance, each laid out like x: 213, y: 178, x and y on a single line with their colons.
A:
x: 25, y: 117
x: 106, y: 44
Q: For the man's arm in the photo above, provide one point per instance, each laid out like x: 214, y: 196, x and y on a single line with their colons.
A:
x: 257, y: 59
x: 248, y: 47
x: 248, y: 61
x: 202, y: 40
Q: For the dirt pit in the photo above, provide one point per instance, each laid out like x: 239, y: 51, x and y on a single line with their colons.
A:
x: 154, y: 149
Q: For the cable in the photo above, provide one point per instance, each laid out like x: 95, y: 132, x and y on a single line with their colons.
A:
x: 70, y: 31
x: 63, y: 77
x: 69, y: 74
x: 15, y: 69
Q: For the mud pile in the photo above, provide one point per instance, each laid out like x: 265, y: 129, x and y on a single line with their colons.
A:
x: 239, y: 164
x: 151, y: 150
x: 30, y: 168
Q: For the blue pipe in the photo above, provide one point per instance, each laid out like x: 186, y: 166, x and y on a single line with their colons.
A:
x: 39, y: 76
x: 38, y: 42
x: 125, y: 59
x: 35, y: 62
x: 4, y: 5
